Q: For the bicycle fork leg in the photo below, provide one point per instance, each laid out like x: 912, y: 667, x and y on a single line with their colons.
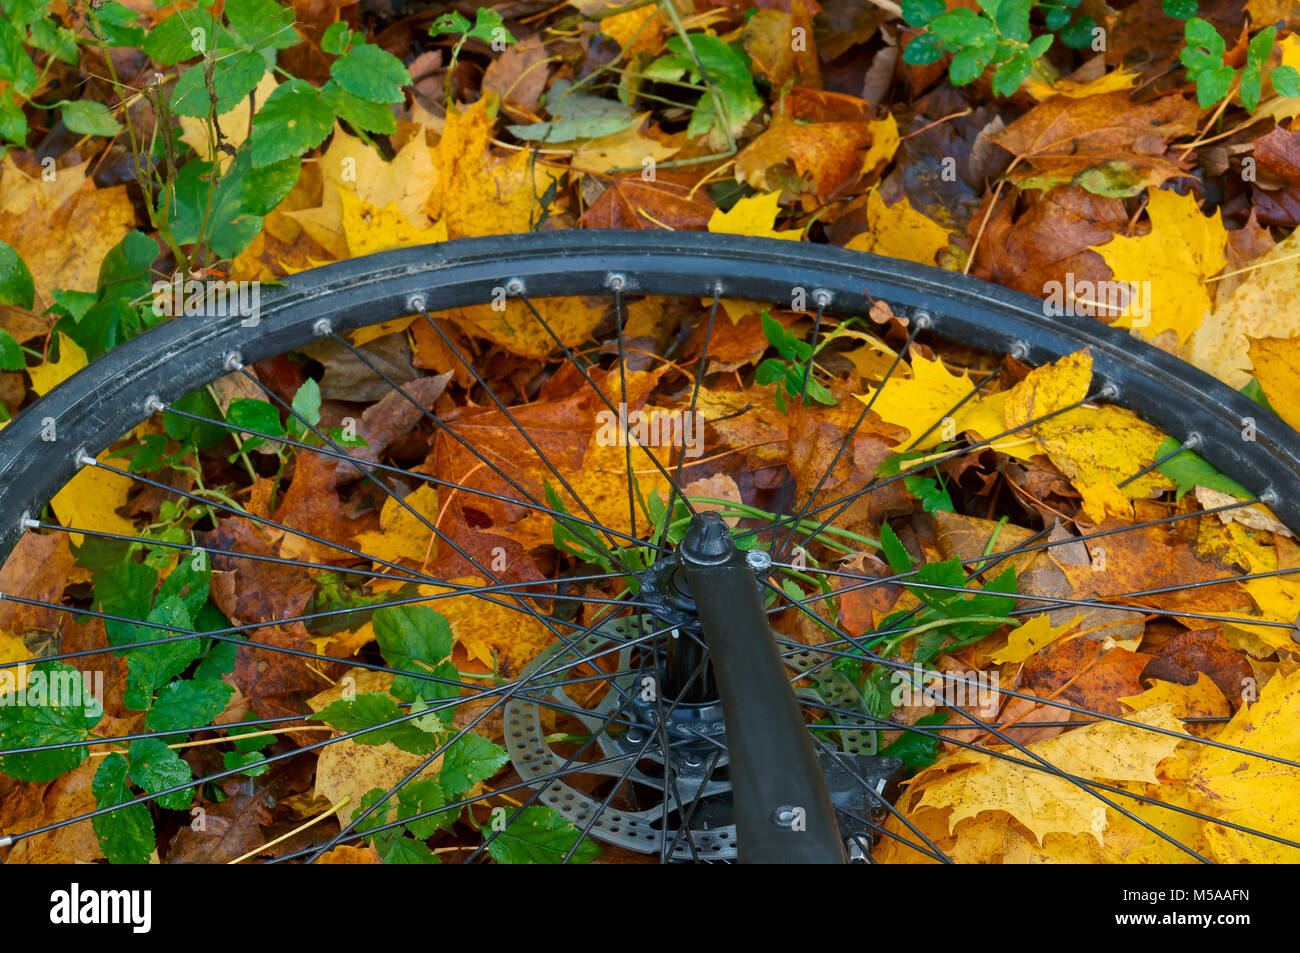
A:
x: 783, y: 812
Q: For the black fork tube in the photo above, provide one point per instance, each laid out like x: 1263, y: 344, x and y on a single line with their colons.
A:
x: 783, y: 813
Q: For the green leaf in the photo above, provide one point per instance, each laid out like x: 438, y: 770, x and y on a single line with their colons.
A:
x: 357, y: 112
x: 374, y: 708
x: 89, y: 118
x: 246, y: 413
x: 404, y: 850
x: 240, y: 199
x: 470, y: 760
x: 126, y: 835
x: 63, y: 711
x: 969, y: 63
x: 188, y: 703
x: 151, y: 667
x: 1180, y: 9
x: 1255, y: 391
x: 293, y: 119
x: 896, y: 553
x: 1078, y: 35
x: 155, y: 767
x: 917, y: 751
x: 416, y: 639
x: 926, y: 489
x: 920, y: 12
x: 118, y: 24
x: 420, y: 797
x: 173, y: 41
x: 1012, y: 20
x: 335, y: 39
x: 1286, y: 81
x: 922, y: 51
x: 306, y: 402
x: 1056, y: 18
x: 449, y: 23
x: 1202, y: 37
x: 234, y: 76
x: 371, y: 73
x: 962, y: 28
x: 1188, y: 470
x: 16, y: 285
x: 260, y: 24
x: 1011, y: 74
x: 1040, y: 46
x: 196, y: 433
x: 488, y: 26
x: 540, y: 835
x: 1251, y: 85
x: 1212, y: 84
x: 11, y: 355
x: 1261, y: 46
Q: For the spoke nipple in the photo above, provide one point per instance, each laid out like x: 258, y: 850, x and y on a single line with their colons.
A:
x: 1110, y: 391
x: 616, y: 282
x: 1269, y: 497
x: 717, y: 288
x: 515, y: 286
x: 1193, y: 440
x: 153, y: 404
x: 322, y: 328
x: 922, y: 318
x: 26, y: 521
x: 84, y: 459
x: 414, y: 303
x: 759, y: 560
x: 822, y: 297
x: 6, y: 841
x: 233, y: 361
x: 1019, y: 350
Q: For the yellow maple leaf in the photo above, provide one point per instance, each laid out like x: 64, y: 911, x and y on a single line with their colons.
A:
x: 987, y: 419
x: 72, y: 358
x: 90, y: 500
x: 884, y: 142
x: 621, y: 150
x: 1201, y: 699
x: 899, y: 231
x: 1168, y: 265
x: 403, y: 535
x: 1030, y: 637
x: 753, y: 215
x: 1088, y: 444
x: 1255, y: 792
x: 922, y: 401
x: 478, y: 193
x: 368, y: 229
x: 491, y: 633
x: 1275, y: 361
x: 1107, y: 83
x: 1103, y: 498
x: 1263, y: 305
x: 1047, y: 803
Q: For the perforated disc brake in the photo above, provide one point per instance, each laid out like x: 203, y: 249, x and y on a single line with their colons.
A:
x: 698, y: 749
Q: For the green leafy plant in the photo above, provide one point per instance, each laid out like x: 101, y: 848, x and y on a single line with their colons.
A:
x: 1214, y: 79
x: 729, y: 99
x: 793, y: 369
x: 487, y: 28
x: 998, y: 35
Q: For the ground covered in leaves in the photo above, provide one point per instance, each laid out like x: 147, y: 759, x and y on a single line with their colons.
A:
x: 1136, y: 164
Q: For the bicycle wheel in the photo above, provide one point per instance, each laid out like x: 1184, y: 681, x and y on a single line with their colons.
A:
x: 659, y: 713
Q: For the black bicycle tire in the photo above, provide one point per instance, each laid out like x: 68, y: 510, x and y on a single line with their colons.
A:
x: 99, y: 404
